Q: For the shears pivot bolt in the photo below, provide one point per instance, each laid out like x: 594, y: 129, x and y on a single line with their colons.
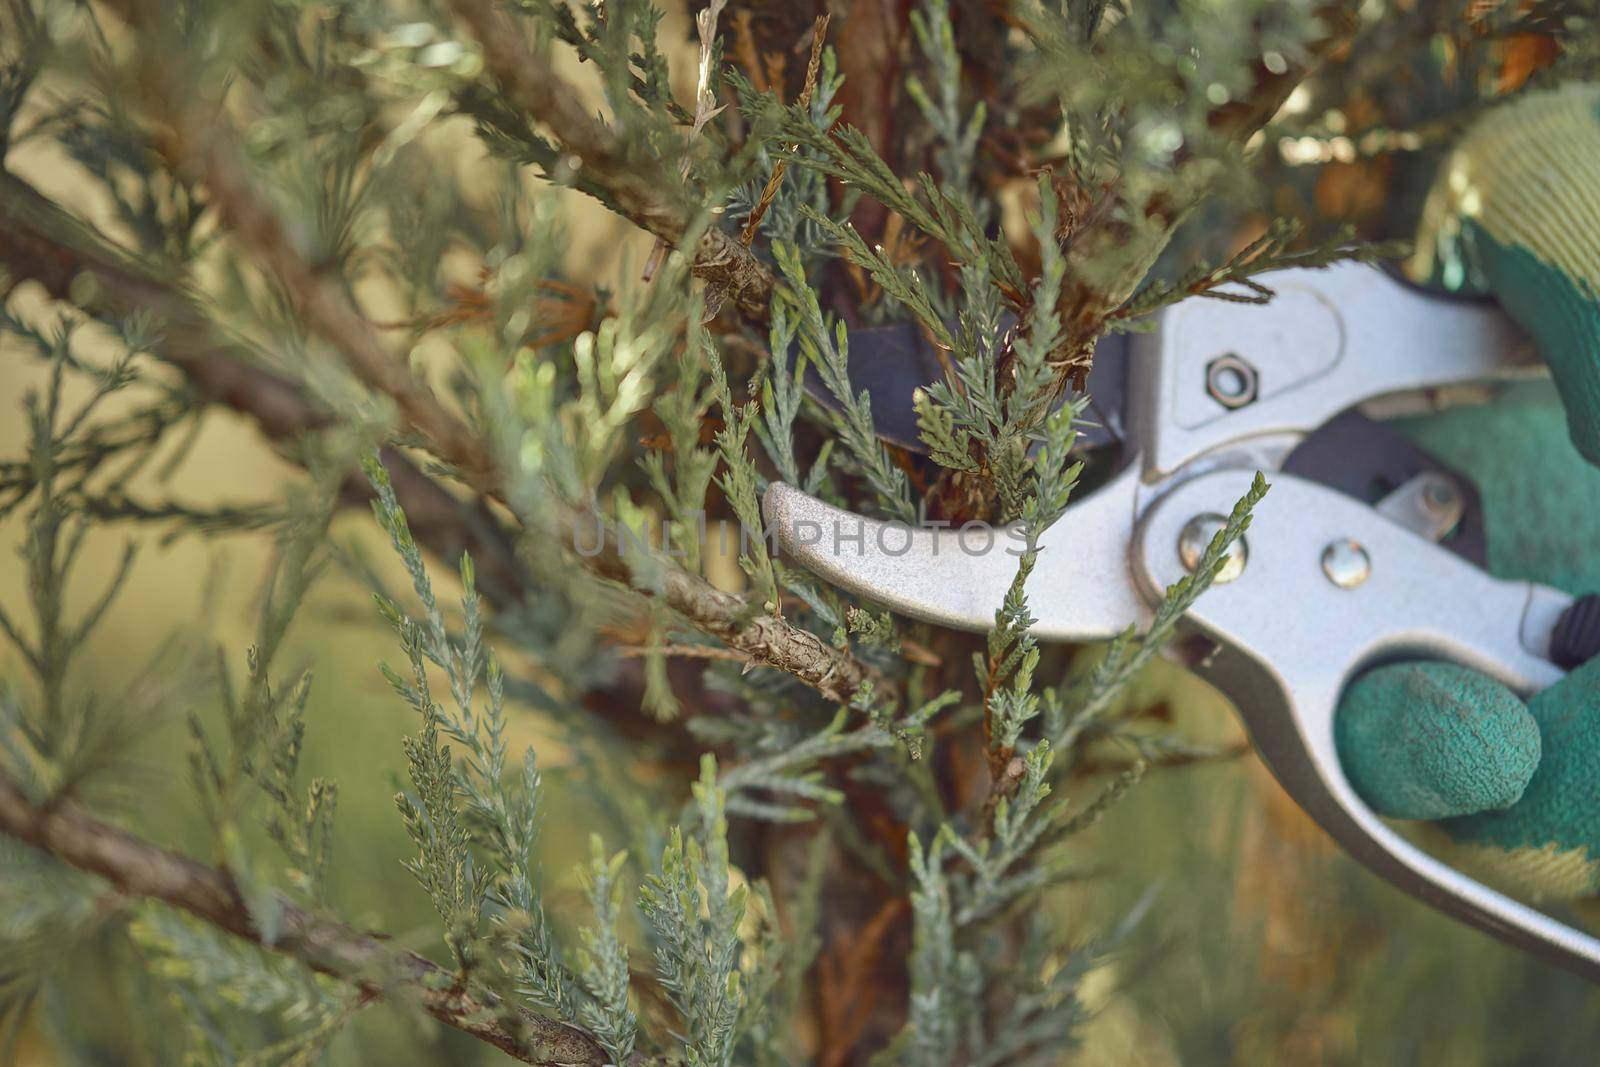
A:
x: 1197, y: 534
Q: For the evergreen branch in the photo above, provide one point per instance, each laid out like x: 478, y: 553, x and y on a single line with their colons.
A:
x: 782, y: 645
x: 1126, y: 655
x: 206, y: 146
x: 605, y: 973
x: 1269, y: 252
x: 740, y: 479
x: 935, y: 34
x: 138, y: 868
x: 847, y: 155
x: 42, y: 242
x: 1111, y: 252
x: 933, y: 1018
x: 650, y: 196
x: 899, y: 283
x: 781, y: 396
x: 1006, y: 673
x: 53, y: 247
x: 826, y: 346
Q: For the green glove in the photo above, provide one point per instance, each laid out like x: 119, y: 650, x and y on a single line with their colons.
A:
x: 1517, y: 787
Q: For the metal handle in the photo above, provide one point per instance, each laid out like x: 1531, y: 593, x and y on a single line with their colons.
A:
x: 1291, y: 637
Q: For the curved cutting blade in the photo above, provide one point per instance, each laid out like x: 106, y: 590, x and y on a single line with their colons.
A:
x: 1082, y: 588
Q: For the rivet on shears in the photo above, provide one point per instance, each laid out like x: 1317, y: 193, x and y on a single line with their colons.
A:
x: 1197, y: 534
x: 1346, y: 563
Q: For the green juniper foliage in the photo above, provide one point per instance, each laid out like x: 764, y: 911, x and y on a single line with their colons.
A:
x: 817, y: 831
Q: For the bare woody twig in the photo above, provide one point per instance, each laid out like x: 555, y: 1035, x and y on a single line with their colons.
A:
x: 766, y: 640
x: 684, y: 652
x: 141, y: 869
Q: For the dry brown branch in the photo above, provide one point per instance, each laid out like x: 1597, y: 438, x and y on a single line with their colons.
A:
x: 767, y: 640
x: 819, y: 33
x: 705, y: 109
x: 141, y: 869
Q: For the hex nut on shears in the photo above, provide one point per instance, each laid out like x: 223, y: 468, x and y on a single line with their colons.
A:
x: 1231, y: 380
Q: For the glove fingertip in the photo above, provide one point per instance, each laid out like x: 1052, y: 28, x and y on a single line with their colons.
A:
x: 1433, y: 740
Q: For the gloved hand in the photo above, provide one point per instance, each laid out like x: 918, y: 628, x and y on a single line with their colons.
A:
x: 1516, y: 787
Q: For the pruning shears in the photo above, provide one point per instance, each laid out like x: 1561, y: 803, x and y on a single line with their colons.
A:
x: 1366, y: 550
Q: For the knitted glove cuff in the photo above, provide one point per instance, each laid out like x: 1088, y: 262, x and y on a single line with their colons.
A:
x: 1528, y: 173
x: 1518, y: 205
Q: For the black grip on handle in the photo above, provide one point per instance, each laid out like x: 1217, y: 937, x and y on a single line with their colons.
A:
x: 1576, y: 638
